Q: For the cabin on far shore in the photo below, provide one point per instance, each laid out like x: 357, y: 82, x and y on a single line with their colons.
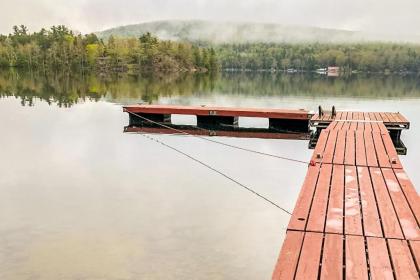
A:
x: 333, y: 71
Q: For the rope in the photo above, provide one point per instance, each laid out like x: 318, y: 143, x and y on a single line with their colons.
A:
x: 217, y: 171
x: 221, y: 143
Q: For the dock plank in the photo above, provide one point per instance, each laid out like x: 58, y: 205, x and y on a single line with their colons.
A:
x: 407, y: 187
x: 402, y: 260
x: 352, y: 215
x: 332, y: 257
x: 350, y: 153
x: 370, y: 150
x: 318, y: 210
x: 406, y: 218
x: 383, y: 158
x: 289, y: 256
x: 360, y: 148
x: 340, y: 147
x: 320, y: 146
x: 334, y: 222
x: 415, y: 246
x: 301, y: 211
x: 371, y: 220
x: 388, y: 216
x: 330, y: 147
x: 310, y: 256
x: 379, y: 262
x: 356, y: 265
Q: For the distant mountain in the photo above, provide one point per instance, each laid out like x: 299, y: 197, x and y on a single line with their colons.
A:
x: 234, y: 32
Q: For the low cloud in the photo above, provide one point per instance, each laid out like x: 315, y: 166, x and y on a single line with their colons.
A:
x: 383, y: 17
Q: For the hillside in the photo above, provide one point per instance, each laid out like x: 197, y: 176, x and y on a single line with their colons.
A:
x: 234, y: 32
x: 228, y: 32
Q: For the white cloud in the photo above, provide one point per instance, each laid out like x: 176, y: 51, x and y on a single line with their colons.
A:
x: 386, y: 16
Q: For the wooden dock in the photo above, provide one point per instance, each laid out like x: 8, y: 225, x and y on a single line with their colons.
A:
x: 357, y: 215
x: 210, y: 116
x: 390, y: 120
x: 395, y: 123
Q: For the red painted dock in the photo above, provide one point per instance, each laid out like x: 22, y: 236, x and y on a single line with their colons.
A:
x: 219, y: 117
x: 357, y: 215
x: 391, y: 120
x: 291, y: 114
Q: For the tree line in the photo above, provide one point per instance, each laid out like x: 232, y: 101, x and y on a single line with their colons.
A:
x: 363, y: 57
x: 59, y: 48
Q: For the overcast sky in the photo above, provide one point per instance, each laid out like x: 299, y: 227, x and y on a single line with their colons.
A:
x: 378, y: 16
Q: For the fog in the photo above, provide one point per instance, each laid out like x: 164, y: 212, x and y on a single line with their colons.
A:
x: 388, y: 17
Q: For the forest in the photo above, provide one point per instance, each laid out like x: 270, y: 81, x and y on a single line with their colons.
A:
x: 59, y: 48
x: 360, y: 57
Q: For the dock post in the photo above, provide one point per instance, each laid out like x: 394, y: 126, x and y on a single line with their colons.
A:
x: 217, y: 121
x: 289, y: 125
x: 160, y: 118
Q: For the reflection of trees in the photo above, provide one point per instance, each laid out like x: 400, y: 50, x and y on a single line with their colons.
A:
x: 378, y: 86
x: 66, y: 90
x: 60, y: 89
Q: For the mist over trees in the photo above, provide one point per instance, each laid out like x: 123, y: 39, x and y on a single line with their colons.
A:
x: 363, y: 57
x: 60, y: 49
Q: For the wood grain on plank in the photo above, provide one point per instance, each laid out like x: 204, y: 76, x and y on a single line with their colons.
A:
x: 310, y: 256
x: 360, y: 148
x: 388, y: 216
x: 340, y: 147
x: 371, y: 220
x: 330, y: 147
x: 379, y: 262
x: 383, y: 158
x: 402, y: 260
x: 319, y: 207
x: 352, y: 215
x: 370, y: 150
x: 415, y: 247
x: 350, y: 156
x: 289, y: 256
x: 334, y: 222
x: 356, y: 265
x: 303, y: 204
x: 320, y: 146
x: 332, y: 257
x: 408, y: 223
x: 410, y: 192
x: 390, y: 150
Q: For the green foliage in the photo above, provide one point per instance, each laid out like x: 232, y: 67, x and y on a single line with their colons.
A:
x: 60, y: 49
x: 366, y: 57
x: 93, y: 51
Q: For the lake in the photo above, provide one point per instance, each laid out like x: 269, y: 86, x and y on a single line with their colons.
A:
x: 80, y: 199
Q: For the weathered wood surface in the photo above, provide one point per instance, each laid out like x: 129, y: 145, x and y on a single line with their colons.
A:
x: 396, y: 120
x: 357, y: 215
x: 299, y: 114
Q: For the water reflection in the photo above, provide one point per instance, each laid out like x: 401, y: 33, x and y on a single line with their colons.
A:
x: 260, y: 133
x: 66, y: 90
x: 82, y: 200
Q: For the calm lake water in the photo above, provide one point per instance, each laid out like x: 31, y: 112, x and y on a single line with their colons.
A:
x: 79, y: 199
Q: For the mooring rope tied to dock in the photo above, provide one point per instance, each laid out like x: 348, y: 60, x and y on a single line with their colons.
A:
x: 208, y: 166
x: 221, y: 143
